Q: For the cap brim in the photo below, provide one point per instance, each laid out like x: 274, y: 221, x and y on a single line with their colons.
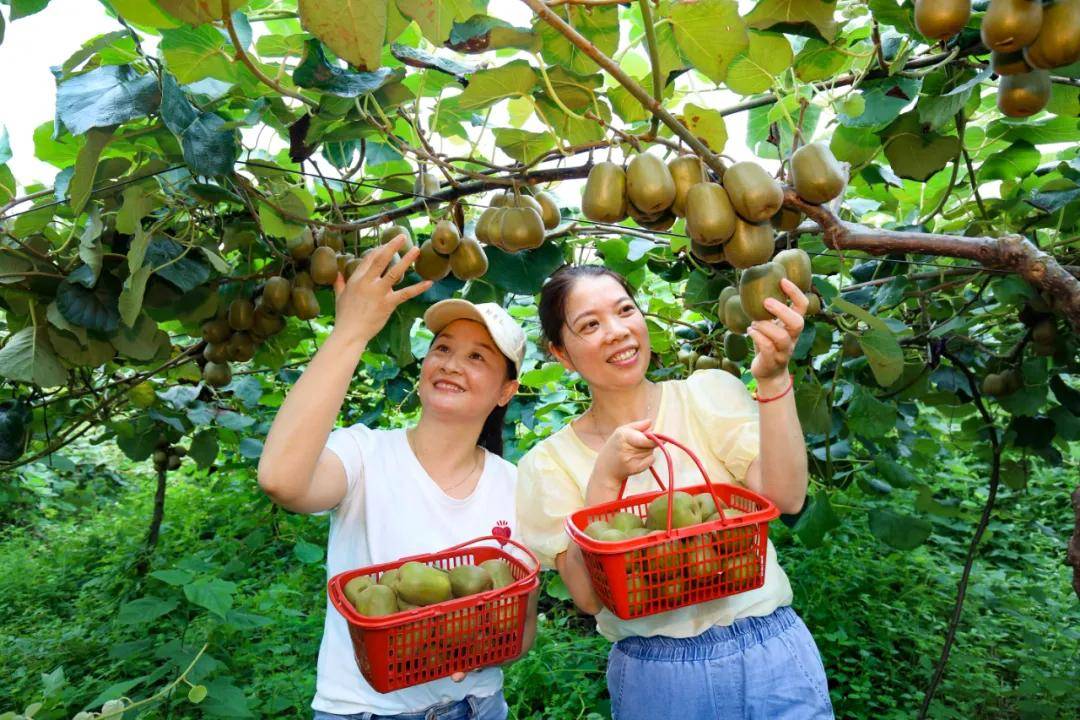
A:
x: 444, y: 312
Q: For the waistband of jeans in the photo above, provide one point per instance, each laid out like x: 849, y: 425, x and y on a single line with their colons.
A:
x: 718, y: 641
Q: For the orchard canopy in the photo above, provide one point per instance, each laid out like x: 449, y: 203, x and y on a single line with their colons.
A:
x: 166, y: 288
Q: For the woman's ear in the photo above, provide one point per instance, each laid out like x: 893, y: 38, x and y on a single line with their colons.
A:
x: 509, y: 388
x: 560, y: 354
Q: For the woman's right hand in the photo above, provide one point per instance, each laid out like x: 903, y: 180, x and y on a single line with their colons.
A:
x: 627, y: 452
x: 365, y: 303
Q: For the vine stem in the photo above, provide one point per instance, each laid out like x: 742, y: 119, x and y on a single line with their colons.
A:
x: 162, y: 692
x: 984, y: 520
x: 640, y: 94
x: 654, y: 60
x: 242, y: 56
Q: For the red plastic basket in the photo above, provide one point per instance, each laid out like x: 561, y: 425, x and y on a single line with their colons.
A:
x: 677, y: 567
x: 416, y: 646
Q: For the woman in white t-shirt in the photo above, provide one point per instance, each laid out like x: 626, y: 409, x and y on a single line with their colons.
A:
x: 744, y: 657
x: 395, y: 493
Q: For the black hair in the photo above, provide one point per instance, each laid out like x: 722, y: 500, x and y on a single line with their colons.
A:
x: 552, y: 309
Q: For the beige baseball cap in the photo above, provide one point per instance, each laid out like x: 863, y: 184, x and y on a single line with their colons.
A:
x: 507, y: 334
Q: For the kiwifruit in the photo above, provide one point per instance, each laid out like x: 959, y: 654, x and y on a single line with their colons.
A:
x: 216, y: 352
x: 726, y: 293
x: 468, y: 580
x: 173, y: 462
x: 710, y: 217
x: 389, y: 578
x: 390, y: 232
x: 304, y: 302
x: 751, y: 244
x: 500, y: 572
x: 1044, y: 349
x: 500, y: 199
x: 376, y: 601
x: 549, y: 209
x: 343, y: 262
x: 241, y: 313
x: 734, y: 316
x: 241, y: 347
x: 445, y: 237
x: 684, y: 511
x: 993, y: 385
x: 300, y: 248
x: 823, y: 338
x: 521, y: 229
x: 323, y: 267
x: 786, y: 220
x: 604, y: 197
x: 217, y: 374
x: 276, y: 293
x: 303, y: 280
x: 267, y: 324
x: 707, y: 253
x: 426, y: 184
x: 625, y: 521
x: 1044, y: 332
x: 686, y: 356
x: 813, y: 304
x: 815, y: 173
x: 430, y: 265
x: 357, y: 585
x: 850, y: 345
x: 488, y: 226
x: 1058, y: 41
x: 686, y: 172
x: 640, y: 216
x: 797, y: 267
x: 1009, y: 63
x: 216, y: 330
x: 1011, y: 25
x: 596, y: 527
x: 468, y: 260
x: 523, y: 200
x: 735, y: 347
x: 350, y: 267
x: 1014, y: 380
x: 756, y: 285
x: 755, y: 195
x: 331, y: 239
x: 649, y: 185
x: 707, y: 362
x: 941, y: 19
x: 661, y: 223
x: 1025, y: 94
x: 731, y: 367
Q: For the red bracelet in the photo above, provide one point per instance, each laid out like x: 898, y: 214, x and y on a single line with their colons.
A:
x: 791, y: 384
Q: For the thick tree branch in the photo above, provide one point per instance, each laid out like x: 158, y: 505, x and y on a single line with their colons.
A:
x: 640, y: 94
x: 1012, y: 252
x: 1073, y: 555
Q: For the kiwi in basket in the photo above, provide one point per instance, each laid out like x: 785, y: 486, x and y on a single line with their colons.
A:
x: 625, y: 522
x: 595, y: 528
x: 376, y: 601
x: 684, y: 512
x: 469, y: 580
x: 357, y: 585
x: 499, y: 570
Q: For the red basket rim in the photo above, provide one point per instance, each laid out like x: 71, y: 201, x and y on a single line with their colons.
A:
x: 767, y: 513
x: 527, y: 583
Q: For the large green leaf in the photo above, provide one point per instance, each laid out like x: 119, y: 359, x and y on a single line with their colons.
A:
x: 523, y: 272
x: 706, y: 124
x: 514, y: 79
x: 105, y: 96
x: 437, y: 17
x: 353, y: 29
x: 756, y: 69
x: 798, y: 16
x: 315, y: 72
x: 195, y: 53
x: 870, y: 417
x: 142, y: 12
x: 82, y: 181
x: 209, y: 145
x: 902, y: 532
x: 197, y: 12
x: 93, y: 309
x: 171, y: 262
x: 28, y: 357
x: 523, y: 145
x: 914, y: 152
x: 214, y: 594
x: 145, y: 609
x: 816, y: 520
x: 710, y: 34
x: 599, y: 24
x: 812, y: 405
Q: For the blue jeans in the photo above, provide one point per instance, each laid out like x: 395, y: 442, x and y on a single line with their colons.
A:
x: 492, y: 707
x: 759, y: 668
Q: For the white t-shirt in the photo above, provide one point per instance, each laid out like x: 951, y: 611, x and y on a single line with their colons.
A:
x: 392, y: 509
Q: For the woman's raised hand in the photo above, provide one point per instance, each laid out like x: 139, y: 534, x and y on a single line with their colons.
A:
x: 365, y: 303
x: 627, y: 452
x: 774, y: 340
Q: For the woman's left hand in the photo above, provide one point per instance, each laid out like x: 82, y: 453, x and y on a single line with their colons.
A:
x: 774, y: 340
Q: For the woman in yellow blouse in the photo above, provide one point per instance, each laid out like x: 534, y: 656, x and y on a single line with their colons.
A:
x: 745, y: 656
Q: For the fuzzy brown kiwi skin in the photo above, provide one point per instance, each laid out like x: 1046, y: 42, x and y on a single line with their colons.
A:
x: 1025, y: 94
x: 941, y: 19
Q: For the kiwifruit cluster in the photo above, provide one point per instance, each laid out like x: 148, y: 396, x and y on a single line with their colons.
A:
x: 168, y: 457
x: 515, y: 221
x: 1027, y: 39
x: 648, y: 190
x: 447, y: 251
x: 715, y: 357
x: 737, y: 307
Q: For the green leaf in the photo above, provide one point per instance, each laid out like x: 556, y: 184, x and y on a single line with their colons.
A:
x: 131, y: 296
x: 199, y: 12
x: 887, y: 12
x: 902, y: 532
x: 706, y: 124
x: 437, y: 17
x: 145, y: 610
x: 549, y: 373
x: 812, y: 405
x: 171, y: 262
x: 209, y: 145
x: 819, y: 61
x: 893, y: 472
x: 599, y: 25
x: 514, y: 79
x: 141, y: 12
x: 92, y: 309
x: 196, y: 53
x: 197, y: 694
x: 214, y: 594
x: 710, y: 34
x: 176, y: 578
x: 756, y: 69
x: 870, y: 417
x: 25, y: 8
x: 885, y: 355
x: 82, y: 181
x: 523, y: 145
x: 28, y: 357
x: 415, y: 57
x: 105, y: 96
x: 883, y: 100
x: 793, y: 14
x: 307, y: 552
x: 204, y: 448
x: 354, y: 29
x: 8, y: 189
x: 854, y: 145
x: 315, y: 72
x: 137, y: 203
x: 523, y: 272
x: 915, y: 153
x: 225, y: 700
x: 483, y: 32
x: 816, y: 520
x: 1016, y: 161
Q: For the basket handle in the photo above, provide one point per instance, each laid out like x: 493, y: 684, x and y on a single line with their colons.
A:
x: 661, y: 441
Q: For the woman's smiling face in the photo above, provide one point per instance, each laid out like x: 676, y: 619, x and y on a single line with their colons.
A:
x: 463, y: 373
x: 604, y: 336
